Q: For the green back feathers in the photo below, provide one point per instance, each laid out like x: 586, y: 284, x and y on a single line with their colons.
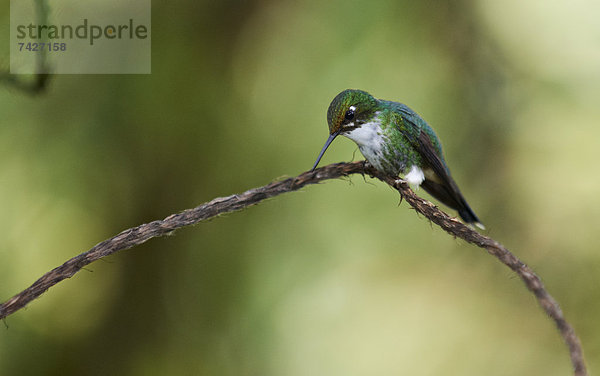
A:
x: 412, y: 124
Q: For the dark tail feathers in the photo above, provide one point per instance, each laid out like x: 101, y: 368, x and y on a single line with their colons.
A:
x: 451, y: 197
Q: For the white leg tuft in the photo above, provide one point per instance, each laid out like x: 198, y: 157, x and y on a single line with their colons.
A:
x: 415, y: 176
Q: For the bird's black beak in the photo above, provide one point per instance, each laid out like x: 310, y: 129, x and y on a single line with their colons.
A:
x: 327, y: 143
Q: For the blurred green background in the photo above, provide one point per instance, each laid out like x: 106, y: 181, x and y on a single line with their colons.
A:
x: 336, y: 279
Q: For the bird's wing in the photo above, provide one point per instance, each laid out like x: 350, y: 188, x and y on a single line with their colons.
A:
x: 423, y: 139
x: 438, y: 181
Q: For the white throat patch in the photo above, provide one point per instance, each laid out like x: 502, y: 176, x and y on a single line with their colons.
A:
x: 370, y: 140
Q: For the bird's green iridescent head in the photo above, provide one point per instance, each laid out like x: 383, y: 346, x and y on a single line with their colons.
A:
x: 348, y: 111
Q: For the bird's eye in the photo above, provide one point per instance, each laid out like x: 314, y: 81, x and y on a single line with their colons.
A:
x: 350, y: 114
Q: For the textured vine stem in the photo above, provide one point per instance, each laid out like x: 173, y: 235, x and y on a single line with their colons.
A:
x: 531, y: 280
x: 140, y: 234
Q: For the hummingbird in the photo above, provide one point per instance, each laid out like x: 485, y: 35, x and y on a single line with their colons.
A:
x: 396, y: 141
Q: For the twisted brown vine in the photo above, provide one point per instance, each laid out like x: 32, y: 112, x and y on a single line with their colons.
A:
x: 140, y: 234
